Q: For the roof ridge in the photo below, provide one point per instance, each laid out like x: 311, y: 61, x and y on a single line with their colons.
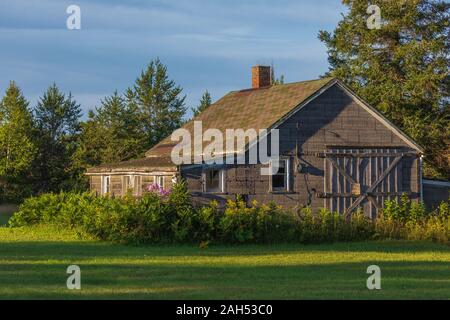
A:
x: 284, y: 84
x: 306, y: 87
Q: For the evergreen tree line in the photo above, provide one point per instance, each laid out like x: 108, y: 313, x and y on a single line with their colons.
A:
x: 47, y: 148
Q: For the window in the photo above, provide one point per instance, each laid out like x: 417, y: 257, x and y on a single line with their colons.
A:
x: 214, y: 180
x: 159, y: 180
x: 128, y: 183
x: 137, y: 185
x: 106, y: 185
x: 280, y: 178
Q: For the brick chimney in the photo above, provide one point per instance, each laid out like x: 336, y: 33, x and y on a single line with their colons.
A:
x: 261, y: 77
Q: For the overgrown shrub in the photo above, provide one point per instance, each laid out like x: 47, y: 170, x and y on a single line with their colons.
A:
x: 256, y: 224
x: 170, y: 218
x: 37, y: 210
x: 409, y: 220
x: 207, y: 223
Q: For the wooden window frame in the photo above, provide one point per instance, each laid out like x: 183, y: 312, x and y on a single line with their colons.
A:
x: 104, y: 179
x: 137, y: 185
x: 222, y: 180
x: 156, y: 181
x: 132, y: 183
x: 287, y: 176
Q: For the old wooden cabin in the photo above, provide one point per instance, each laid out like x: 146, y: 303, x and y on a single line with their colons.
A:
x: 336, y: 151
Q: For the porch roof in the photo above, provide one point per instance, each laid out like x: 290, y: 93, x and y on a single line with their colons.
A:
x: 144, y: 165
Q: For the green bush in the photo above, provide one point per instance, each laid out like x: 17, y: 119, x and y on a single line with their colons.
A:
x: 273, y: 225
x: 162, y: 218
x: 36, y: 210
x: 207, y: 222
x: 410, y: 220
x: 255, y: 224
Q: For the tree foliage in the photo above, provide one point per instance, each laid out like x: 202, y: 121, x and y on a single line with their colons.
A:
x: 401, y: 68
x: 57, y: 121
x: 50, y: 149
x: 204, y: 104
x: 17, y: 146
x: 276, y: 81
x: 158, y: 102
x: 111, y: 134
x: 126, y: 126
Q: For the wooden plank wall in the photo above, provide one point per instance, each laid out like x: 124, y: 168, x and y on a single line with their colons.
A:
x: 364, y: 171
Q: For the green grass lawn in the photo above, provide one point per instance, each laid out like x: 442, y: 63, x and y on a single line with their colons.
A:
x: 33, y: 263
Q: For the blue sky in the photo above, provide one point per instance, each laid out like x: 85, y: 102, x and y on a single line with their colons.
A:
x: 206, y: 44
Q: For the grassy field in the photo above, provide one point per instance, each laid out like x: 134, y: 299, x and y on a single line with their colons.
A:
x: 33, y: 264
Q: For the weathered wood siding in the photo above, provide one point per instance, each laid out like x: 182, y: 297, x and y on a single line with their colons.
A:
x: 116, y: 186
x: 95, y: 183
x: 334, y: 119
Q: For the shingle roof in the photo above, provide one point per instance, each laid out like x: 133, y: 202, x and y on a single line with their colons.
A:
x: 246, y: 109
x: 152, y: 164
x: 249, y: 109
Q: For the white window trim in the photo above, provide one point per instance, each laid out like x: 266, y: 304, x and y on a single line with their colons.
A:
x: 287, y: 176
x: 137, y: 185
x: 156, y: 181
x: 132, y: 182
x: 222, y: 181
x: 104, y: 189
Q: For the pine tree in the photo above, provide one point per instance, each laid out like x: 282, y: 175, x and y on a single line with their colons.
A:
x: 112, y: 134
x: 17, y: 147
x: 205, y: 102
x: 158, y: 101
x: 400, y: 68
x: 276, y: 81
x: 57, y: 121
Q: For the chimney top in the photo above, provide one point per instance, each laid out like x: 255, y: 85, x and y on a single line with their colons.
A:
x: 261, y: 77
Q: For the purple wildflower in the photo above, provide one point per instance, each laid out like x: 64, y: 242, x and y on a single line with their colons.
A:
x: 156, y: 188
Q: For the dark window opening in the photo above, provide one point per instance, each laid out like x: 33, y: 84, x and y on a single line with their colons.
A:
x: 213, y: 181
x: 280, y: 178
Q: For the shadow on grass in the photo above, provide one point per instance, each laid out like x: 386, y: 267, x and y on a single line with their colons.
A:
x: 37, y: 270
x: 400, y: 280
x: 40, y: 250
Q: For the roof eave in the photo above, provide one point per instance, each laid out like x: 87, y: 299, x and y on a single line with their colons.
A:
x: 147, y: 170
